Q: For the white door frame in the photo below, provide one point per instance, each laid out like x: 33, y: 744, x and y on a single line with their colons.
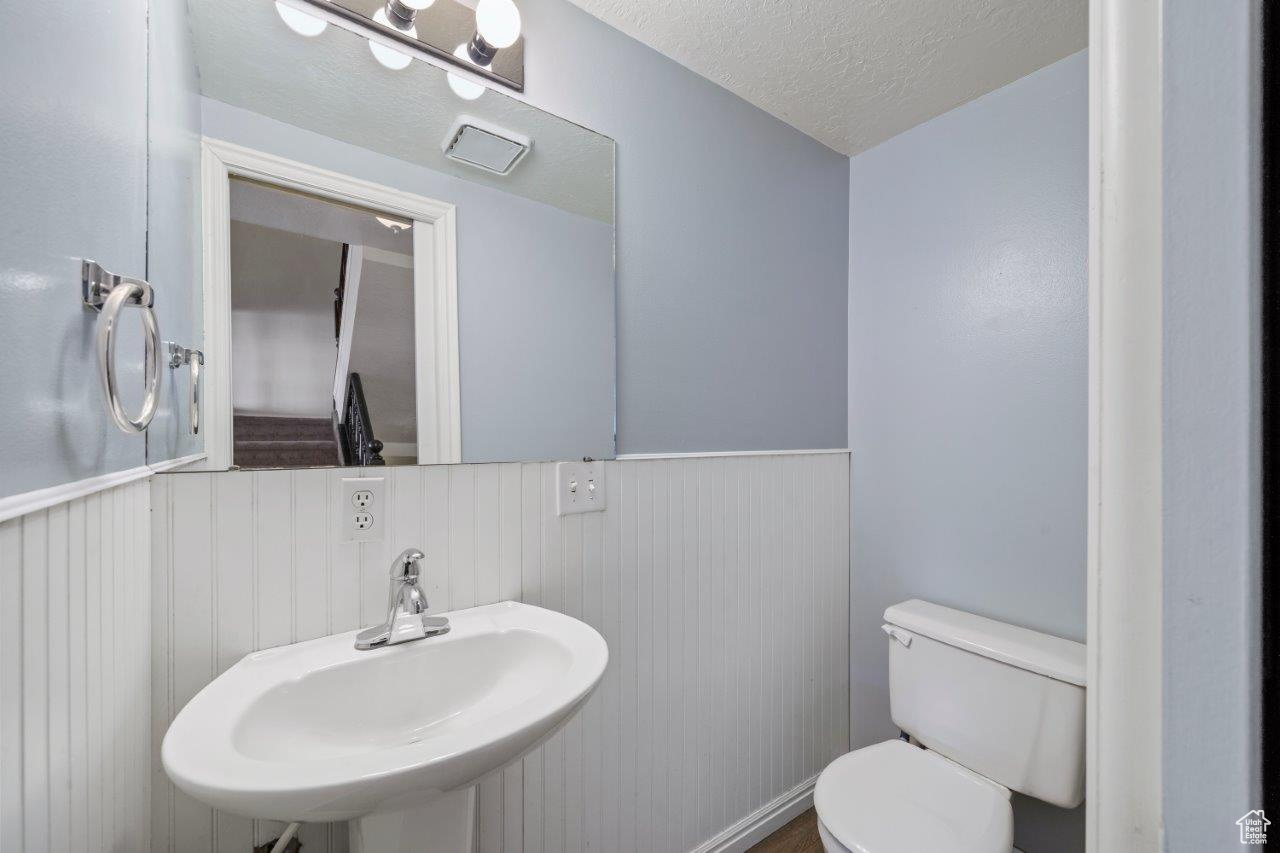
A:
x: 347, y: 322
x: 435, y: 282
x: 1125, y: 543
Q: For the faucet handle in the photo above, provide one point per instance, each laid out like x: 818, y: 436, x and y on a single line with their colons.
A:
x: 406, y: 608
x: 405, y: 567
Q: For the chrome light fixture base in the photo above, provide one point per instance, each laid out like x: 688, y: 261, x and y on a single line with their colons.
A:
x: 432, y: 34
x: 481, y: 52
x: 402, y: 16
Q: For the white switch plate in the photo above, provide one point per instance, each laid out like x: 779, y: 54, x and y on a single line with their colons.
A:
x: 579, y: 487
x: 362, y: 508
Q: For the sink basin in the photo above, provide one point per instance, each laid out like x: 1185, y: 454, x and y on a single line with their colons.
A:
x: 393, y: 738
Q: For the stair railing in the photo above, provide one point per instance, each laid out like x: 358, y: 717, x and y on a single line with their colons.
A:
x: 356, y: 440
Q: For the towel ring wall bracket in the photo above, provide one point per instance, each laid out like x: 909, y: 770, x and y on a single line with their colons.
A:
x: 96, y: 285
x: 193, y: 358
x: 108, y: 293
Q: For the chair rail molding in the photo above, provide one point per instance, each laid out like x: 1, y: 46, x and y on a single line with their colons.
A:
x: 15, y: 506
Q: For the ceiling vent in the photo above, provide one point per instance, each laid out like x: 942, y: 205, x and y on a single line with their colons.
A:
x: 485, y: 146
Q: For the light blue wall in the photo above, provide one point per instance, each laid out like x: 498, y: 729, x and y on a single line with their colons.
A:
x: 1211, y: 462
x: 731, y: 252
x: 732, y: 246
x: 968, y: 335
x: 73, y: 164
x: 174, y: 265
x: 528, y: 275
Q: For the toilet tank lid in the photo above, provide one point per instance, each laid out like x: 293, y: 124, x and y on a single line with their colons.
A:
x: 1045, y: 654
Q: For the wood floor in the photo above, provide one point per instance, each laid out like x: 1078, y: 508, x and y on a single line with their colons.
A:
x: 799, y: 836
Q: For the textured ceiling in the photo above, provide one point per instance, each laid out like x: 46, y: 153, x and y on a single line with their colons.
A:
x: 852, y: 73
x: 331, y: 85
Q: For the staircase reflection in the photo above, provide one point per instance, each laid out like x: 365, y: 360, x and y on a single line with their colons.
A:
x: 286, y: 442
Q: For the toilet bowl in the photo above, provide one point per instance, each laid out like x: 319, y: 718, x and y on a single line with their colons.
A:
x: 897, y: 798
x: 991, y: 708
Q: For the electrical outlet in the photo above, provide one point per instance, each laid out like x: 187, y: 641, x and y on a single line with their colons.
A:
x: 362, y: 503
x: 579, y: 487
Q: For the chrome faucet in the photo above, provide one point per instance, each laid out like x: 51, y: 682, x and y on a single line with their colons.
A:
x: 407, y: 617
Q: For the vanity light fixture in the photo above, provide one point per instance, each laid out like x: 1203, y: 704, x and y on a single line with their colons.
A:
x: 300, y: 22
x: 483, y: 40
x: 391, y: 57
x: 497, y: 27
x: 405, y: 11
x: 400, y: 14
x: 466, y: 89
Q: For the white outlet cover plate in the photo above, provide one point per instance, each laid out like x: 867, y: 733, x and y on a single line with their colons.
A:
x: 579, y: 487
x: 349, y: 509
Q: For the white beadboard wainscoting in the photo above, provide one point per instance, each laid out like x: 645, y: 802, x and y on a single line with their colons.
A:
x: 720, y: 584
x: 75, y: 675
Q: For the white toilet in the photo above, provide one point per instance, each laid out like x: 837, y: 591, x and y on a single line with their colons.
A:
x: 995, y: 707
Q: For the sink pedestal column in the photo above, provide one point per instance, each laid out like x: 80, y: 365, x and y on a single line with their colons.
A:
x: 443, y: 825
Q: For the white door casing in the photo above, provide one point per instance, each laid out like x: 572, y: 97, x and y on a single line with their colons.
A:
x: 435, y: 279
x: 1125, y: 541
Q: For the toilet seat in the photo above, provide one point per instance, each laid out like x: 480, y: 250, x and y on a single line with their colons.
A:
x: 897, y: 798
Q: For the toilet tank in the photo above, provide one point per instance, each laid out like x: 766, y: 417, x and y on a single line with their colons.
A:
x: 1003, y: 701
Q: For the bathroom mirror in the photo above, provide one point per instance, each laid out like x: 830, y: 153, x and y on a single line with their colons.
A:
x: 401, y: 266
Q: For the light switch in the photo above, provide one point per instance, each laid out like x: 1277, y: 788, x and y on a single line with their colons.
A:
x: 579, y: 487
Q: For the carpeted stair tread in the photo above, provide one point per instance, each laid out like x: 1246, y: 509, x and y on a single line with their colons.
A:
x: 258, y: 428
x: 271, y: 442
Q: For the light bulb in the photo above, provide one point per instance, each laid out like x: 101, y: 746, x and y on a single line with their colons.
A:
x: 390, y: 57
x: 466, y: 89
x: 300, y: 22
x: 498, y: 22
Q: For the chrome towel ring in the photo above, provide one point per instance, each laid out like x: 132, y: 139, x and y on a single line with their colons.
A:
x: 107, y: 293
x: 194, y: 358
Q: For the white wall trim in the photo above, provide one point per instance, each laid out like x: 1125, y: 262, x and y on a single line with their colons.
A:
x: 631, y: 457
x: 15, y: 506
x: 762, y: 822
x: 435, y: 239
x: 435, y: 332
x: 215, y: 218
x: 171, y: 464
x: 1123, y: 757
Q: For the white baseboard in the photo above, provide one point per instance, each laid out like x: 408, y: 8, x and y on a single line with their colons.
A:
x: 762, y: 822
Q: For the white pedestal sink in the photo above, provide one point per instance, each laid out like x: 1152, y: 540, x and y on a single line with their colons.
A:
x: 392, y: 739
